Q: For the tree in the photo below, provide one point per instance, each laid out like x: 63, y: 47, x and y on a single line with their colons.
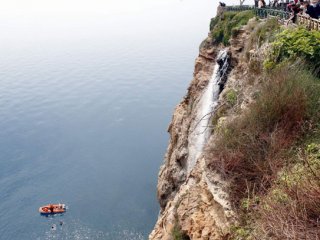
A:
x: 241, y: 2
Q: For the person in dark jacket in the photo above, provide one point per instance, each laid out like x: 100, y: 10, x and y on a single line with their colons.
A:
x: 311, y: 10
x: 318, y: 10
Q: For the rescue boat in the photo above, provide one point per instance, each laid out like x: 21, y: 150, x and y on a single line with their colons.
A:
x: 53, y: 209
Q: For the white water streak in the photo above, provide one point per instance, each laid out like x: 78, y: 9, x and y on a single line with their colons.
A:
x: 208, y: 102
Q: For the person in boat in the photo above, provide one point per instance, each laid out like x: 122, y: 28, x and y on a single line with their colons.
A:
x: 51, y: 208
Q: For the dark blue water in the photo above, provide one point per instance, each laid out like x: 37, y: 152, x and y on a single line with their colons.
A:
x: 85, y: 100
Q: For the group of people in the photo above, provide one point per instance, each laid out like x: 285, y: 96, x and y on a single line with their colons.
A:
x: 309, y: 8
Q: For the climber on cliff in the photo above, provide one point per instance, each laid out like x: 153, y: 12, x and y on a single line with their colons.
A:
x: 220, y: 10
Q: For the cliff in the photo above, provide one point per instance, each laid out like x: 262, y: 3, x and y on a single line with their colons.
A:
x: 200, y: 190
x: 197, y: 200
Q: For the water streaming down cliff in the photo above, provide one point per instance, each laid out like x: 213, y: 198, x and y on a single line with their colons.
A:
x: 206, y: 106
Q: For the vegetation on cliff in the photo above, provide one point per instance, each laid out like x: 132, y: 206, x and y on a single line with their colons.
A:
x: 270, y: 152
x: 223, y: 29
x: 293, y: 44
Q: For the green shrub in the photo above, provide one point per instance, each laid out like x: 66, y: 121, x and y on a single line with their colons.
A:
x: 223, y: 29
x: 177, y: 234
x: 296, y: 43
x: 240, y: 233
x: 231, y: 97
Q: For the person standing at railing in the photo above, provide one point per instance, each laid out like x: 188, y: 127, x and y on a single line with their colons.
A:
x: 275, y: 3
x: 308, y: 10
x: 261, y: 4
x: 282, y: 5
x: 315, y: 4
x: 220, y: 10
x: 294, y: 8
x: 305, y: 8
x: 312, y: 10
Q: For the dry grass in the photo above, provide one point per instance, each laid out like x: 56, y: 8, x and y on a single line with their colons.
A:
x: 291, y: 210
x: 263, y: 32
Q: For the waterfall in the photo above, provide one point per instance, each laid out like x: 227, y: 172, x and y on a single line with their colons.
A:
x: 206, y: 105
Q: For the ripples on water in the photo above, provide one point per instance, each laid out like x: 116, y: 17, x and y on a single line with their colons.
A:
x: 75, y: 230
x: 85, y: 99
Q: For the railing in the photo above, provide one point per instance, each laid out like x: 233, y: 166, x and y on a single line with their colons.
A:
x: 265, y: 12
x: 238, y: 8
x: 311, y: 23
x: 260, y: 12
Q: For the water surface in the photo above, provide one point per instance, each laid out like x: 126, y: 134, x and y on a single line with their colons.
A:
x: 86, y: 93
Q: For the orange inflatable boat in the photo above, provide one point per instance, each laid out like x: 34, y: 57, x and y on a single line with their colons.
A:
x: 52, y: 208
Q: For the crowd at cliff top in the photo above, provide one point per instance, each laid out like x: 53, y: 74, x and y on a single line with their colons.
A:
x: 309, y: 8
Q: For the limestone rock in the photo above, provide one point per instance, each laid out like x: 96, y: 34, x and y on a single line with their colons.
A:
x: 198, y: 202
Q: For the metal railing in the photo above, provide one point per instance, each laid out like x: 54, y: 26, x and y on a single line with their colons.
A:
x: 266, y: 12
x: 310, y: 23
x: 260, y: 12
x: 239, y: 8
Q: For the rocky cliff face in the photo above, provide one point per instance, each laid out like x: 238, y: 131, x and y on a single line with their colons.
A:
x: 194, y: 200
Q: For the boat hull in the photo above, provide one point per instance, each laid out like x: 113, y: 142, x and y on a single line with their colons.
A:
x: 57, y: 208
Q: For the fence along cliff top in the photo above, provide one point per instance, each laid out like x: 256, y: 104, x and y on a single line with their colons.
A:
x: 310, y: 23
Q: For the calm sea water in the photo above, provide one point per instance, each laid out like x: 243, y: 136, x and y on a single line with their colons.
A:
x: 85, y: 100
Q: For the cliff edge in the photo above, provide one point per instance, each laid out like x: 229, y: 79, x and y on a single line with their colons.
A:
x: 195, y: 200
x: 238, y: 133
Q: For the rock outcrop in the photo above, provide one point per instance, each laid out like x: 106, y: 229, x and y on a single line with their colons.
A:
x: 196, y: 201
x: 174, y: 171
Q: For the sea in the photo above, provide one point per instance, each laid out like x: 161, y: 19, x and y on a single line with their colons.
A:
x: 87, y: 90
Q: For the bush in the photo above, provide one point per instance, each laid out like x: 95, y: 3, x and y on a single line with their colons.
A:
x: 251, y: 149
x: 240, y: 233
x: 219, y: 112
x: 262, y: 32
x: 296, y: 43
x: 222, y: 30
x: 177, y: 234
x: 231, y: 97
x: 265, y: 31
x: 295, y: 214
